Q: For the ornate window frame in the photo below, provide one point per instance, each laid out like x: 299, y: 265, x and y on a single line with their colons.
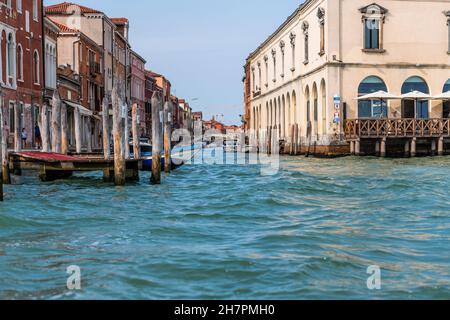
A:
x: 274, y: 59
x: 266, y: 64
x: 447, y: 14
x: 282, y: 46
x: 321, y: 17
x: 305, y: 28
x: 292, y: 38
x: 374, y: 12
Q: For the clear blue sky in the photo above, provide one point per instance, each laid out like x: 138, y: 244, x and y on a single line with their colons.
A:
x: 200, y: 45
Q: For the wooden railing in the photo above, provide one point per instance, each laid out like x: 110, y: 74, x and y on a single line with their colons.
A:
x: 396, y: 128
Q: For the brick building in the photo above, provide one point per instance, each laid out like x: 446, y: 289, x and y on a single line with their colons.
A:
x: 21, y: 75
x: 77, y: 50
x: 138, y: 86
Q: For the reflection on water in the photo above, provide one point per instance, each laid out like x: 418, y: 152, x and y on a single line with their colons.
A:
x: 225, y: 232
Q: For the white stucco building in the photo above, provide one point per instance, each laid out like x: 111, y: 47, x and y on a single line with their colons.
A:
x: 310, y: 71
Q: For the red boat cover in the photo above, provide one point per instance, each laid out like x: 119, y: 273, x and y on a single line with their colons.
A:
x: 47, y: 156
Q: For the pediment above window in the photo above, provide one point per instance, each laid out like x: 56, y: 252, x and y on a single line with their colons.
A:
x: 373, y: 9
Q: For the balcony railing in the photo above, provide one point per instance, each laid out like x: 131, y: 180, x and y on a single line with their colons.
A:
x: 396, y: 128
x: 94, y: 68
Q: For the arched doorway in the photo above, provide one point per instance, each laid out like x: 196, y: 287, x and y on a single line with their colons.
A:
x: 283, y: 117
x: 294, y: 108
x: 271, y: 113
x: 371, y: 108
x: 324, y: 107
x: 446, y: 105
x: 315, y: 109
x: 288, y: 114
x: 308, y: 106
x: 412, y: 109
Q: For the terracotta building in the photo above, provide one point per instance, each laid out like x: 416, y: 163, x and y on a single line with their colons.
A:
x: 21, y: 75
x: 96, y: 26
x: 121, y: 56
x: 69, y: 89
x: 138, y: 86
x: 83, y: 55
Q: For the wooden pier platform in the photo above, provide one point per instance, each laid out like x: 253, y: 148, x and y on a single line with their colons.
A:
x: 53, y: 166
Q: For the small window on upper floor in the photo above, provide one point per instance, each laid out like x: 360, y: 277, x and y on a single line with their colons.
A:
x: 373, y: 21
x: 19, y: 6
x: 448, y: 26
x: 35, y: 10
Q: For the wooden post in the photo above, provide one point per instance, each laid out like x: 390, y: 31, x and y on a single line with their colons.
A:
x: 127, y: 134
x: 135, y: 131
x: 88, y: 133
x: 119, y: 159
x: 156, y: 139
x: 358, y: 147
x: 17, y: 130
x: 407, y: 149
x: 167, y: 137
x: 413, y: 147
x: 291, y: 151
x: 296, y: 140
x: 383, y: 148
x: 1, y: 149
x: 5, y: 177
x: 352, y: 147
x: 45, y: 132
x: 77, y: 125
x: 433, y: 147
x: 56, y: 123
x: 441, y: 146
x: 64, y: 130
x: 106, y: 131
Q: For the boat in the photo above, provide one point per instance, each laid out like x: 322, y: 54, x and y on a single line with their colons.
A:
x: 179, y: 156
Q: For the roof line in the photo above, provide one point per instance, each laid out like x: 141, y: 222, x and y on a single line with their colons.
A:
x: 284, y: 24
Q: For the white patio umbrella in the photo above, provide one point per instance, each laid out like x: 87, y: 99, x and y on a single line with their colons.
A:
x: 416, y: 96
x: 378, y: 95
x: 442, y: 96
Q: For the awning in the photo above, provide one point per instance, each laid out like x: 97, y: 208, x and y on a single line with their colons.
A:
x: 443, y: 96
x: 83, y: 111
x: 379, y: 95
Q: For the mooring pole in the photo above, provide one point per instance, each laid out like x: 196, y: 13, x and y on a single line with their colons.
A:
x: 135, y: 132
x: 77, y: 125
x: 5, y: 177
x: 56, y: 123
x: 17, y: 138
x: 167, y: 137
x: 64, y: 130
x: 156, y: 139
x: 119, y: 159
x: 1, y: 149
x: 106, y: 133
x: 45, y: 132
x: 127, y: 134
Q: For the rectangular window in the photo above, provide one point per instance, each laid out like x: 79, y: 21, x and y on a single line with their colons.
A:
x: 11, y: 117
x: 19, y: 6
x: 372, y: 34
x: 27, y: 21
x: 35, y: 10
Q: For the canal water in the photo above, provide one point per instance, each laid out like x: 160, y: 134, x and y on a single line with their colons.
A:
x: 226, y: 232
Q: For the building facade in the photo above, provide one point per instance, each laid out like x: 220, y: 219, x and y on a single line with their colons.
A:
x: 311, y: 70
x: 138, y: 87
x: 21, y: 67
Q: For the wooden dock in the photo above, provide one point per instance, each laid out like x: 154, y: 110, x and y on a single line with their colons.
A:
x: 53, y: 166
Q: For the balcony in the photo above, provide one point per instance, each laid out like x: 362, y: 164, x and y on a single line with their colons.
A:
x: 396, y: 128
x: 94, y: 69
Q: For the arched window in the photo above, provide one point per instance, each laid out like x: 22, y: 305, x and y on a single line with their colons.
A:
x: 371, y: 108
x: 20, y: 62
x: 323, y: 102
x: 415, y: 109
x: 36, y: 67
x: 11, y: 56
x: 308, y: 105
x: 446, y: 106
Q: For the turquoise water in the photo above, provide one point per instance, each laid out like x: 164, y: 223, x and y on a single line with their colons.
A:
x: 225, y: 232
